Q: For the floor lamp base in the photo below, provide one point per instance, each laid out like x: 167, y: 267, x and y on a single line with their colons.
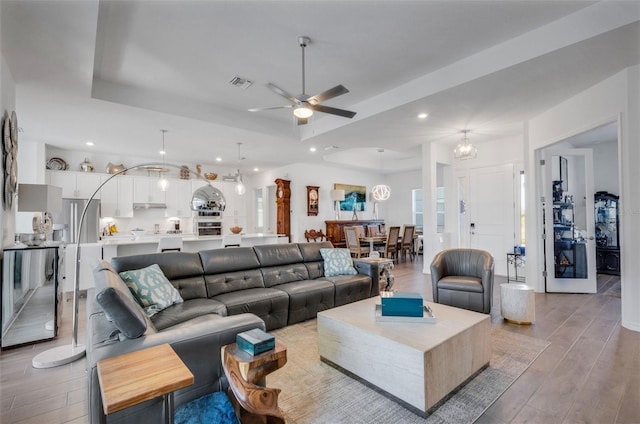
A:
x: 58, y: 356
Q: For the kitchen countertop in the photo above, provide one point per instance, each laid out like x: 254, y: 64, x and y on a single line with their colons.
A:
x: 186, y: 237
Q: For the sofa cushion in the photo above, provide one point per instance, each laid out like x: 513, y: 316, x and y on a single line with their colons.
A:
x: 275, y: 275
x: 278, y: 254
x: 233, y: 281
x: 337, y: 262
x: 222, y: 261
x: 460, y: 282
x: 153, y: 291
x: 122, y: 312
x: 187, y: 310
x: 118, y: 303
x: 183, y: 269
x: 315, y: 269
x: 307, y: 298
x: 350, y: 288
x: 311, y: 251
x: 269, y: 304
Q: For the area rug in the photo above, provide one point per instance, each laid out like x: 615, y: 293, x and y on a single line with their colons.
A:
x: 316, y: 393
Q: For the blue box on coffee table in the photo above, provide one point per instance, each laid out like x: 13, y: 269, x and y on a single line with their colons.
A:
x: 402, y: 304
x: 255, y: 341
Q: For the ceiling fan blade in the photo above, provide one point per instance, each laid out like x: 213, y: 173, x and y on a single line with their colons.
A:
x: 336, y: 91
x: 258, y: 109
x: 281, y: 92
x: 333, y: 111
x: 302, y: 121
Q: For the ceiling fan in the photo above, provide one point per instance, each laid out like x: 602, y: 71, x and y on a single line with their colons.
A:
x: 304, y: 105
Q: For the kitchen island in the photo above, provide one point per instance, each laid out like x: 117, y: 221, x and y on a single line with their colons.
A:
x: 127, y: 245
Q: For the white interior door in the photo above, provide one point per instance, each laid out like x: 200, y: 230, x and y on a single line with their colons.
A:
x: 491, y: 212
x: 569, y: 221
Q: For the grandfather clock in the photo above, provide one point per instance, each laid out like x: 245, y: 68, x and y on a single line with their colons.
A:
x: 283, y: 207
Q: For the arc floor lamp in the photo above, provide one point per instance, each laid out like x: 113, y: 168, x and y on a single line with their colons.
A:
x: 69, y: 353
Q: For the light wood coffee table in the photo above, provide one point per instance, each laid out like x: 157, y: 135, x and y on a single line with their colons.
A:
x: 418, y: 364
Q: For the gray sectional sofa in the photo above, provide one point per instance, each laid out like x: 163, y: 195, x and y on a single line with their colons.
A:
x: 224, y: 292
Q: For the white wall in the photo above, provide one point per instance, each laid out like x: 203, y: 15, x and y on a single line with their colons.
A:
x: 7, y: 105
x: 324, y: 176
x: 614, y: 99
x: 399, y: 206
x: 605, y: 163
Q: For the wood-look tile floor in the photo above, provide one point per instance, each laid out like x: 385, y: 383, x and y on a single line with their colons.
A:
x: 589, y: 374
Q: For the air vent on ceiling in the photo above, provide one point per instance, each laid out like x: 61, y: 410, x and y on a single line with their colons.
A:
x: 241, y: 82
x: 331, y: 148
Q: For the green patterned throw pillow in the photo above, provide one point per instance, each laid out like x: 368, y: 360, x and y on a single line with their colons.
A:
x: 153, y: 291
x: 337, y: 262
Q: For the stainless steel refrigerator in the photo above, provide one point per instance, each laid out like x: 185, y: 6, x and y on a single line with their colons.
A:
x: 69, y: 217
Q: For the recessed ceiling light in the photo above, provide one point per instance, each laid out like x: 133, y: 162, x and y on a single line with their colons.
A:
x: 312, y: 149
x: 256, y: 169
x: 422, y: 115
x: 162, y: 152
x: 218, y: 159
x: 89, y: 143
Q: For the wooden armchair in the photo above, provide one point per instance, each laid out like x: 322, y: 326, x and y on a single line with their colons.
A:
x: 314, y: 235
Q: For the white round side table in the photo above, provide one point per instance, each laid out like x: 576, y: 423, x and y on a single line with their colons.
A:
x: 517, y: 303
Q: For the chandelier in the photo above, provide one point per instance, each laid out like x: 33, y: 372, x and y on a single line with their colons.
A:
x: 239, y: 187
x: 379, y: 192
x: 465, y: 150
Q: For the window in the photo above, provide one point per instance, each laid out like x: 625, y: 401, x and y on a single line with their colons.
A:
x: 417, y: 208
x: 259, y: 210
x: 522, y: 209
x: 440, y: 209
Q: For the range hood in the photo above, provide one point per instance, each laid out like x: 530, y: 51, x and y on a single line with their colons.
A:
x: 149, y: 206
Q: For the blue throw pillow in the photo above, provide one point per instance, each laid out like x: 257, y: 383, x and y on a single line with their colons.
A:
x: 153, y: 291
x: 208, y: 409
x: 337, y: 262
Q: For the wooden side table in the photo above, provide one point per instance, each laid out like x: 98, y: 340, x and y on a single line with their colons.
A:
x: 252, y: 401
x: 135, y: 377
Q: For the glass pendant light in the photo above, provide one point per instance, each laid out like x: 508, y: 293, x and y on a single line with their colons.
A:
x: 465, y: 150
x: 239, y: 188
x: 163, y: 183
x: 379, y: 192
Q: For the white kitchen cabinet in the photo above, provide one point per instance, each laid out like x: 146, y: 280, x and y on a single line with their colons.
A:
x: 75, y: 185
x: 117, y: 197
x: 178, y: 197
x: 146, y: 190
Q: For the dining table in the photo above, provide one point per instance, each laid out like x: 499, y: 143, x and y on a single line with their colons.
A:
x: 372, y: 240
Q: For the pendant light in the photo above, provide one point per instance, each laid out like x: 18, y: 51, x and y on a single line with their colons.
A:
x: 163, y: 183
x: 239, y: 188
x: 465, y: 150
x: 379, y: 192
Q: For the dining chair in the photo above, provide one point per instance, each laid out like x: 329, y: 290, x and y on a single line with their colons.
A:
x: 353, y: 242
x: 231, y: 240
x: 373, y: 230
x: 360, y: 231
x: 166, y: 244
x: 391, y: 248
x: 407, y: 243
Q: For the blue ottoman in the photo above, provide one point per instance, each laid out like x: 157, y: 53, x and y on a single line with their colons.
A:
x: 208, y: 409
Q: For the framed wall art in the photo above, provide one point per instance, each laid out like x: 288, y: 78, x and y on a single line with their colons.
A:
x: 355, y: 197
x: 312, y: 200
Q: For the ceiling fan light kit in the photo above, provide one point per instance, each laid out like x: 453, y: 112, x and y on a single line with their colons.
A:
x: 304, y: 105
